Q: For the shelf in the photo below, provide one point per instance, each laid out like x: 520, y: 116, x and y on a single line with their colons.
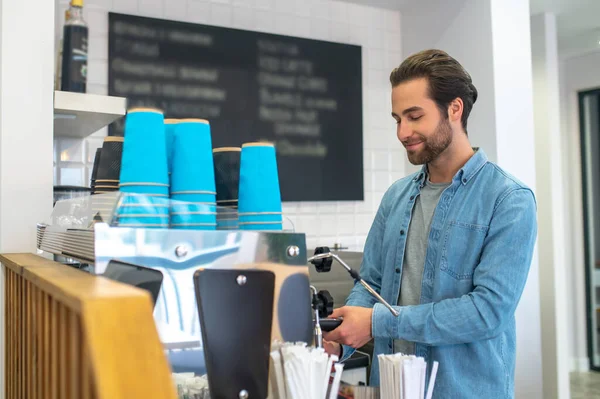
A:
x: 81, y: 114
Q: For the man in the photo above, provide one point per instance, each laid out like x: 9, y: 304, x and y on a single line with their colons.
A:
x: 451, y: 245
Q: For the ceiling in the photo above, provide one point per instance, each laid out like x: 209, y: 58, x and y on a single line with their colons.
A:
x: 578, y: 21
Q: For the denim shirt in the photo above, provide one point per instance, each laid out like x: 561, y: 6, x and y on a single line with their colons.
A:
x: 478, y: 256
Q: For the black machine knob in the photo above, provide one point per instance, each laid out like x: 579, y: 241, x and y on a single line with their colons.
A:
x: 322, y: 265
x: 325, y: 303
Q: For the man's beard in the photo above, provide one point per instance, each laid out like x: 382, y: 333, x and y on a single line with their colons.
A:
x: 432, y: 146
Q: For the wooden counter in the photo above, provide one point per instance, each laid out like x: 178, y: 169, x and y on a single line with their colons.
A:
x: 72, y: 335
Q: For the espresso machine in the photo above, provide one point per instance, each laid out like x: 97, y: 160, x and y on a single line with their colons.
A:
x: 167, y: 263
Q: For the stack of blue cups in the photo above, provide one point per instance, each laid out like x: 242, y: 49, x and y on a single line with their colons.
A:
x: 144, y: 171
x: 259, y: 206
x: 193, y: 192
x: 170, y: 125
x: 134, y: 210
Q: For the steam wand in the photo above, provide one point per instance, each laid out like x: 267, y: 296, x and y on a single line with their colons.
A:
x: 322, y: 262
x: 317, y: 331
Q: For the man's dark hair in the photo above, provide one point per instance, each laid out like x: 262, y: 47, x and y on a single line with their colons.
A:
x: 447, y: 80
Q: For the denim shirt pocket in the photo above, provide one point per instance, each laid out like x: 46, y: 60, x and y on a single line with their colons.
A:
x: 461, y: 249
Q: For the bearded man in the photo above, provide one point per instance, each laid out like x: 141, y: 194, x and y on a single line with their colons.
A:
x: 451, y: 245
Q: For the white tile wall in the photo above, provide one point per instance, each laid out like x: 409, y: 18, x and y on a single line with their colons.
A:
x: 376, y: 30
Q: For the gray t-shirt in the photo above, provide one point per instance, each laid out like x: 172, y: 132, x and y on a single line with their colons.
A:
x: 415, y: 251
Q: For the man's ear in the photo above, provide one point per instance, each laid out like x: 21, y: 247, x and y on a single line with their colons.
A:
x: 455, y: 110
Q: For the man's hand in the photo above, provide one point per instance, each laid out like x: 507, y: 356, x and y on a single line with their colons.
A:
x: 333, y: 348
x: 355, y: 330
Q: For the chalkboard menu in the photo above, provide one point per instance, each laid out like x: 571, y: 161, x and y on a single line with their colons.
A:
x: 303, y: 95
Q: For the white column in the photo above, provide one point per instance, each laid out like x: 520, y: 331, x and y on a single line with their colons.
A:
x: 26, y: 96
x: 551, y: 202
x: 516, y: 153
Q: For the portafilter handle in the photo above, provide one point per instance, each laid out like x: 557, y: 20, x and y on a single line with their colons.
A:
x: 320, y: 254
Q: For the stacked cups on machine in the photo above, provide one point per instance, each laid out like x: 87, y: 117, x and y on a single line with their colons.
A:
x: 143, y: 211
x: 109, y: 165
x: 95, y: 169
x: 193, y: 177
x: 144, y: 174
x: 259, y: 196
x: 227, y: 180
x: 105, y: 177
x: 170, y: 125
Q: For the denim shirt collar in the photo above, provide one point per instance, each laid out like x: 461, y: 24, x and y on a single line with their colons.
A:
x: 464, y: 174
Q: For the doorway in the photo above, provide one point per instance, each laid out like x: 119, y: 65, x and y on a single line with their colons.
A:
x: 589, y: 118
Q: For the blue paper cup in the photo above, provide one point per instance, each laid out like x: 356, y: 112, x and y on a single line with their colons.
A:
x: 145, y: 188
x: 170, y: 141
x: 148, y: 220
x: 144, y: 225
x: 144, y: 149
x: 261, y: 217
x: 271, y: 226
x: 194, y: 226
x: 192, y: 169
x: 259, y: 179
x: 133, y: 211
x: 197, y: 197
x: 188, y: 207
x: 191, y: 218
x: 135, y: 199
x: 144, y: 201
x: 132, y: 205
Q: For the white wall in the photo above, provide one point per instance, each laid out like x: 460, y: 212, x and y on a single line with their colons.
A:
x: 551, y: 199
x: 376, y: 30
x: 25, y: 130
x: 435, y: 15
x: 577, y: 73
x: 468, y: 31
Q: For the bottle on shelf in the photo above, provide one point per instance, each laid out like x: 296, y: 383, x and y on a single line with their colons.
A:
x: 74, y: 50
x: 57, y: 79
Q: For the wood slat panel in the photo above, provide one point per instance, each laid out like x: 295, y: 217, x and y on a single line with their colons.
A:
x: 54, y: 366
x: 87, y: 385
x: 21, y: 338
x: 39, y: 382
x: 63, y: 351
x: 18, y: 321
x: 47, y: 385
x: 34, y: 343
x: 10, y: 338
x: 17, y: 342
x: 72, y: 335
x: 30, y: 329
x: 75, y: 348
x: 25, y: 332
